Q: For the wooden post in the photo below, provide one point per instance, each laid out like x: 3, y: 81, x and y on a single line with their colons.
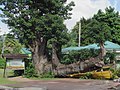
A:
x: 4, y: 74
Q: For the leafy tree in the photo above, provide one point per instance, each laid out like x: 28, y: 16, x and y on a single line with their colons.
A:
x: 35, y: 22
x: 101, y: 27
x: 80, y: 55
x: 100, y: 32
x: 74, y: 35
x: 112, y: 19
x: 11, y: 45
x: 57, y: 43
x: 109, y: 23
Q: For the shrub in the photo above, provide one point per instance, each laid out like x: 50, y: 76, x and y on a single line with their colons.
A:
x: 115, y: 73
x: 47, y: 75
x: 30, y: 70
x: 87, y: 75
x: 83, y: 77
x: 109, y: 57
x: 79, y: 55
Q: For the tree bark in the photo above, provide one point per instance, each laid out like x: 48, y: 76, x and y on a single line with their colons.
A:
x: 87, y: 65
x: 39, y: 56
x: 55, y: 56
x: 102, y: 50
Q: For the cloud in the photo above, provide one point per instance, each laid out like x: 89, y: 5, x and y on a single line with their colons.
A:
x: 86, y: 9
x: 3, y: 28
x: 83, y: 8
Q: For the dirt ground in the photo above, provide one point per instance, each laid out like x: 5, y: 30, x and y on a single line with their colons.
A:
x: 64, y: 84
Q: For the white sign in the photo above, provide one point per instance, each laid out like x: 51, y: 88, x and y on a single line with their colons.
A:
x: 16, y: 64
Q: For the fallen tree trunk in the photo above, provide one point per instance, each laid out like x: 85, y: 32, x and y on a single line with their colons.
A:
x: 85, y: 66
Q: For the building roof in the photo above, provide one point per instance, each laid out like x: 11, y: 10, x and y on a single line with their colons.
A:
x: 111, y: 45
x: 15, y: 56
x: 108, y: 45
x: 25, y: 51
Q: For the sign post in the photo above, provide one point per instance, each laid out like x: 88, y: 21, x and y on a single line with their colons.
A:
x: 4, y: 73
x: 14, y: 62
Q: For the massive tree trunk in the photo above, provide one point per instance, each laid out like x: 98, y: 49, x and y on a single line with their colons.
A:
x: 87, y: 65
x: 39, y: 56
x: 55, y: 54
x: 55, y: 57
x: 40, y: 61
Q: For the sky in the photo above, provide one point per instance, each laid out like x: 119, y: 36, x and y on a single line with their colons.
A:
x: 83, y: 8
x: 87, y: 8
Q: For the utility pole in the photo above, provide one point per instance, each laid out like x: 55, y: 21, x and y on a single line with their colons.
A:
x: 79, y: 33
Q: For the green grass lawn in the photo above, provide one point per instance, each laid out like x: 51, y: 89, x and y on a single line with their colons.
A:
x: 8, y: 72
x: 5, y: 80
x: 1, y: 72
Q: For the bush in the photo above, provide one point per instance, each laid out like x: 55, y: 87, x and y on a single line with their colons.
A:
x: 2, y: 63
x: 88, y: 75
x: 79, y: 55
x: 109, y: 58
x: 47, y: 75
x: 30, y: 70
x: 115, y: 73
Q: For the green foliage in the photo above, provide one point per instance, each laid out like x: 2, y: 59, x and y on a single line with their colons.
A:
x: 35, y: 22
x: 87, y: 75
x: 72, y: 40
x: 2, y: 63
x: 1, y: 43
x: 47, y: 75
x: 30, y: 21
x: 30, y: 70
x: 109, y: 57
x: 80, y: 55
x: 6, y: 81
x: 101, y: 27
x: 74, y: 34
x: 11, y: 45
x: 100, y: 31
x: 31, y: 73
x: 111, y: 18
x: 115, y: 73
x: 83, y: 77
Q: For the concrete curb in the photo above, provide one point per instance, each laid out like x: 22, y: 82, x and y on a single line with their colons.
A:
x: 5, y: 88
x: 32, y: 88
x: 25, y: 88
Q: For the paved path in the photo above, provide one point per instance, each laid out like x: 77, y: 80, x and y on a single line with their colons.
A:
x: 63, y: 84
